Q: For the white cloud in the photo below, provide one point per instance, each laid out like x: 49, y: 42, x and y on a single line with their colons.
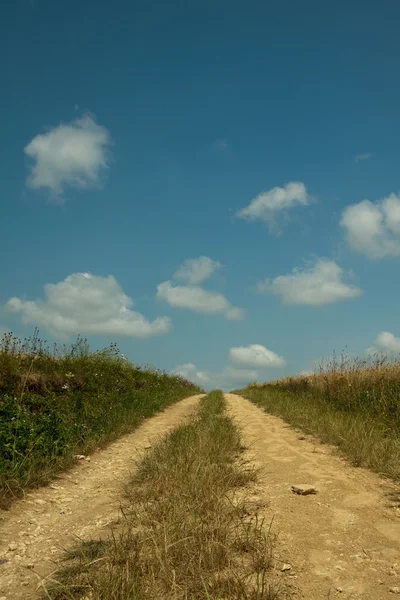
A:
x: 195, y: 270
x: 189, y: 371
x: 385, y: 342
x: 192, y: 272
x: 85, y: 303
x: 268, y: 205
x: 199, y: 300
x: 252, y: 358
x: 73, y: 154
x: 364, y: 156
x: 373, y: 228
x: 234, y: 313
x: 255, y: 355
x: 225, y: 379
x: 318, y: 284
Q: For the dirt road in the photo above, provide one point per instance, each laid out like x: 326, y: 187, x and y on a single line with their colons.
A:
x: 344, y: 541
x: 79, y: 503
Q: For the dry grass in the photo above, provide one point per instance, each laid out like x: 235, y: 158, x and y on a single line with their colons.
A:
x: 352, y: 403
x: 59, y: 402
x: 184, y: 538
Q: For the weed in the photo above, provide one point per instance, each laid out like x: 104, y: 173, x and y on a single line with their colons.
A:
x: 351, y: 403
x: 183, y: 537
x: 56, y: 402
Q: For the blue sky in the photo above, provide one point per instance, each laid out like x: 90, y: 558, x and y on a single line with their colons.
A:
x: 212, y: 185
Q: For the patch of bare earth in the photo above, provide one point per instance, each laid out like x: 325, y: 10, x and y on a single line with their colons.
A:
x: 78, y: 504
x: 341, y: 542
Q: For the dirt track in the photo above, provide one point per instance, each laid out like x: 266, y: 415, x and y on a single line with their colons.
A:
x: 343, y: 542
x: 80, y: 503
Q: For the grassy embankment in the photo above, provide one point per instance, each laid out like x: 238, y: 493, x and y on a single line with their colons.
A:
x: 353, y: 404
x: 186, y: 535
x: 59, y: 402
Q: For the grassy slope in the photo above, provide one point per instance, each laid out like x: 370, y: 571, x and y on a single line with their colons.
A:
x: 54, y: 405
x: 182, y: 538
x: 353, y: 405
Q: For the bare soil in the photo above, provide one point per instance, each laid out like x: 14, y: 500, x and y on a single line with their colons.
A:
x: 79, y: 504
x: 342, y: 542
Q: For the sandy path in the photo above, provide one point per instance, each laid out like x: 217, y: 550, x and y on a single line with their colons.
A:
x: 79, y: 503
x: 343, y: 542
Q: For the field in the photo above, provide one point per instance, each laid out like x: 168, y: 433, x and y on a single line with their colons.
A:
x: 59, y: 402
x: 351, y: 403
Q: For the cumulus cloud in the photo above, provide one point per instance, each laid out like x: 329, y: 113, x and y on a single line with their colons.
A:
x: 70, y: 155
x: 199, y: 300
x: 385, y: 342
x: 87, y: 304
x: 364, y: 156
x: 268, y: 205
x: 189, y: 371
x: 250, y: 360
x: 373, y: 229
x: 255, y: 355
x: 314, y: 285
x: 225, y: 379
x: 195, y: 270
x: 192, y: 296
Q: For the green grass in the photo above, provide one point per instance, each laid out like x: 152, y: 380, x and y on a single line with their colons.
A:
x: 353, y: 404
x: 59, y: 402
x: 184, y: 537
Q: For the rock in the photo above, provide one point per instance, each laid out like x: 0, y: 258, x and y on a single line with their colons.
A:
x: 394, y: 590
x: 3, y: 561
x: 304, y: 489
x: 286, y: 567
x: 88, y: 459
x: 12, y: 546
x: 339, y: 589
x: 79, y: 456
x: 30, y: 565
x: 147, y: 446
x: 301, y: 437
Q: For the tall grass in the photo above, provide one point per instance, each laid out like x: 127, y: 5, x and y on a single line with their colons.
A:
x: 184, y: 538
x: 349, y: 402
x: 56, y: 402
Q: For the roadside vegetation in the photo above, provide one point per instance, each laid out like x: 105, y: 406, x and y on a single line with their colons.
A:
x: 58, y: 402
x: 351, y: 403
x: 186, y: 533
